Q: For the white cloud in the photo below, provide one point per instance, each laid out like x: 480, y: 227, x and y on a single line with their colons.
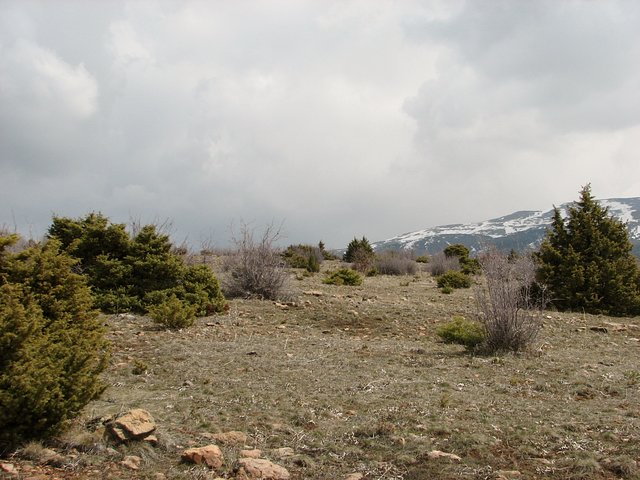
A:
x: 342, y: 118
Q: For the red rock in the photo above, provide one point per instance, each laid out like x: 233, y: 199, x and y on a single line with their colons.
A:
x: 210, y: 455
x: 260, y: 469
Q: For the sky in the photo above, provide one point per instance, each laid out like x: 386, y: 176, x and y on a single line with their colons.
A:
x: 333, y: 119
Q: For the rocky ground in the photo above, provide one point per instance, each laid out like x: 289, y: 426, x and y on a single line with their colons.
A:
x: 353, y: 383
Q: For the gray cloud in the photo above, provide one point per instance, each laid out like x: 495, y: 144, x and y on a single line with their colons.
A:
x: 340, y: 118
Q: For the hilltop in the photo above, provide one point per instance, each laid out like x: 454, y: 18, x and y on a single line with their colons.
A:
x: 518, y: 231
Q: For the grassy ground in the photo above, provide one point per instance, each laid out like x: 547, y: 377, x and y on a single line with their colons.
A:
x: 354, y: 379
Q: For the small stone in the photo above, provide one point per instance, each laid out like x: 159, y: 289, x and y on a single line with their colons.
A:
x: 436, y: 454
x: 255, y: 453
x: 132, y: 462
x: 507, y: 474
x: 283, y: 452
x: 599, y: 329
x: 314, y: 293
x: 354, y: 476
x: 51, y: 457
x: 231, y: 438
x: 9, y: 468
x: 256, y: 468
x: 210, y: 455
x: 152, y: 440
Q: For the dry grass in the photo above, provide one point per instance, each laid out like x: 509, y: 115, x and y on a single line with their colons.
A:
x: 356, y: 380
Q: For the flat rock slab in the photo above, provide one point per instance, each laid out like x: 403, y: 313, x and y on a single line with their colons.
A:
x: 136, y: 424
x: 260, y: 469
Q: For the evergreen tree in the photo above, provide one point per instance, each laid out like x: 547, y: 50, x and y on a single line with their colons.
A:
x: 134, y: 273
x: 52, y: 347
x: 358, y: 248
x: 586, y: 261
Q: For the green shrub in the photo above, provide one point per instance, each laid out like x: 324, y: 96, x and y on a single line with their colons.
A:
x: 52, y: 345
x: 462, y: 332
x: 361, y: 255
x: 326, y: 255
x: 454, y: 279
x: 468, y: 265
x: 173, y: 313
x: 134, y: 273
x: 304, y: 256
x: 422, y: 259
x: 344, y: 276
x: 457, y: 250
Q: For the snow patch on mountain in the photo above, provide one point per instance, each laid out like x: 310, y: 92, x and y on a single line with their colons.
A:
x: 519, y: 230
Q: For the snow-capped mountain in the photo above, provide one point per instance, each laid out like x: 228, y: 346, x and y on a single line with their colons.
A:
x: 519, y: 231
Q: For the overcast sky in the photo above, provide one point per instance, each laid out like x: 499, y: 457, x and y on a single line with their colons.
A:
x: 338, y: 118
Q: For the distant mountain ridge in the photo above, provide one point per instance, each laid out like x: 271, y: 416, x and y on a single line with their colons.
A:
x: 518, y: 231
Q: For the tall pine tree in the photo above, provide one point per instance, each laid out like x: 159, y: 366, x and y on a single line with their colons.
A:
x: 586, y: 261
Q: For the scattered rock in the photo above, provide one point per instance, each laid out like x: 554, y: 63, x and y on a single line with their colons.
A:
x: 283, y: 452
x: 9, y: 468
x: 152, y: 440
x: 354, y: 476
x: 436, y: 454
x: 231, y: 438
x: 255, y: 453
x: 507, y: 474
x: 132, y: 462
x: 50, y: 457
x: 136, y: 424
x: 256, y: 468
x: 314, y: 293
x: 599, y: 329
x: 210, y: 455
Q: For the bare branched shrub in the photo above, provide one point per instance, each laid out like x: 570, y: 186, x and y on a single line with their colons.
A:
x: 441, y: 263
x: 395, y: 262
x: 256, y: 267
x: 506, y: 304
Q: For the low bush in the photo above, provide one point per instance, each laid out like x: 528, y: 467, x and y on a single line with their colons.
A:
x: 344, y: 276
x: 440, y: 264
x: 392, y: 262
x: 468, y: 265
x: 506, y: 304
x: 172, y: 313
x: 326, y: 254
x: 256, y: 267
x: 454, y: 279
x: 462, y: 332
x: 304, y: 256
x: 52, y: 344
x: 422, y: 259
x: 361, y: 256
x: 134, y: 273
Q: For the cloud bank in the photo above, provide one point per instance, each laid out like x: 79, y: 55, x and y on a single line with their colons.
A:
x: 341, y: 119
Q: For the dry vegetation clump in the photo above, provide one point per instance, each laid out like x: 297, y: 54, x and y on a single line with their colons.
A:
x: 506, y: 305
x: 392, y: 262
x: 440, y: 264
x: 256, y: 267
